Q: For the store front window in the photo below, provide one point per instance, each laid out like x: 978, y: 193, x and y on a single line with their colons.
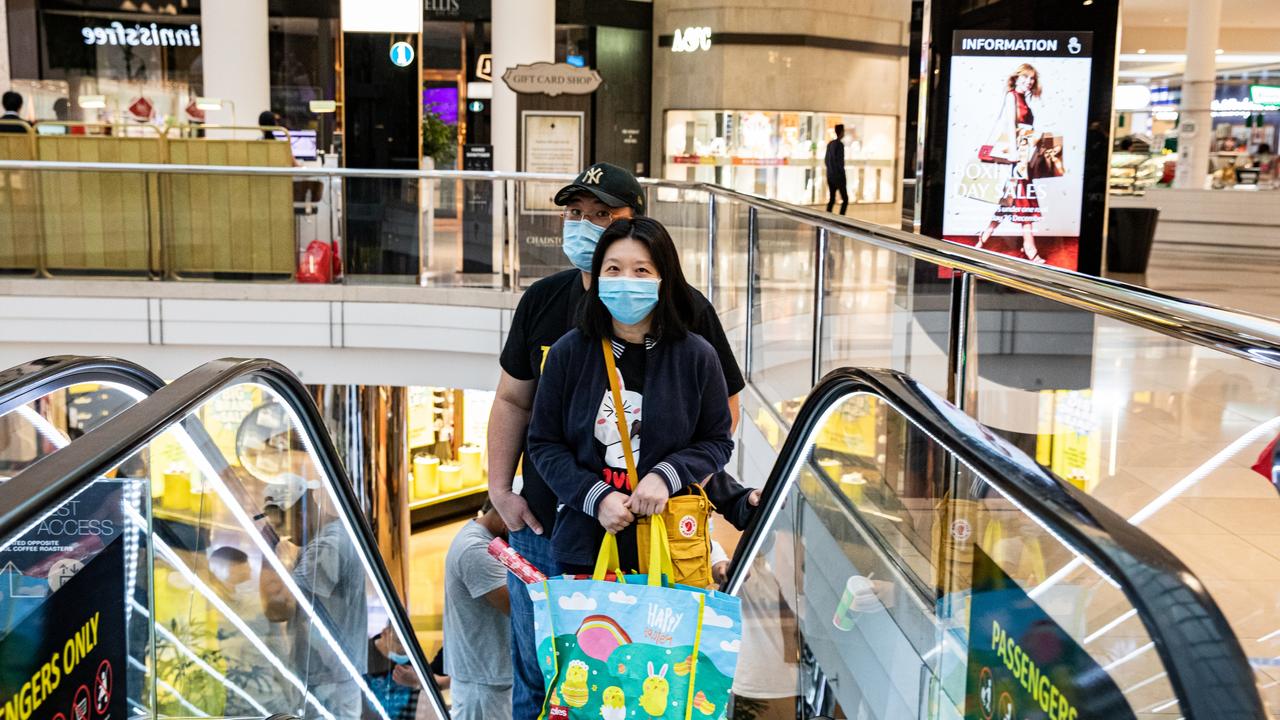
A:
x: 135, y: 67
x: 446, y: 439
x: 1245, y: 115
x: 780, y: 154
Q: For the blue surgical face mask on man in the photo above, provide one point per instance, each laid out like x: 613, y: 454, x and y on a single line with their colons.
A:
x: 629, y: 300
x: 580, y: 238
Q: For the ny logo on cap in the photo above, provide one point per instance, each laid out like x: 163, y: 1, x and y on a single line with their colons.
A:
x: 593, y: 175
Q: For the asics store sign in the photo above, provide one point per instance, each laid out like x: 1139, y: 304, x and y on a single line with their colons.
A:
x: 117, y: 33
x: 691, y: 39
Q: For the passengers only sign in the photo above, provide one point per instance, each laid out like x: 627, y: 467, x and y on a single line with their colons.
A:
x: 62, y: 656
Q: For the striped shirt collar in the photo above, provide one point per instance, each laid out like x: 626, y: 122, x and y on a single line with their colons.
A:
x: 619, y: 346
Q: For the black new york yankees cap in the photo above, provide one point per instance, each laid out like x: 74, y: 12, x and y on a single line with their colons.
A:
x: 612, y: 185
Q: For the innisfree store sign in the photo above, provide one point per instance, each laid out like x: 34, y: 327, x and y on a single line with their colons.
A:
x: 142, y: 35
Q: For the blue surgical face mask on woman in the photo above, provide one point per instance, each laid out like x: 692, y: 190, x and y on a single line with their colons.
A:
x: 398, y: 658
x: 629, y: 300
x: 580, y: 238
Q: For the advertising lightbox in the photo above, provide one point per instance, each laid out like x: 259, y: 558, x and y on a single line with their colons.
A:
x: 1015, y: 158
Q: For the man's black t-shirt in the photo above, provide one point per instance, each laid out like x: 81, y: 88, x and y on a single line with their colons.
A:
x: 548, y: 310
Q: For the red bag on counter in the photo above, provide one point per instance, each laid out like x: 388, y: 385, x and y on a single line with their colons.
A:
x: 320, y: 263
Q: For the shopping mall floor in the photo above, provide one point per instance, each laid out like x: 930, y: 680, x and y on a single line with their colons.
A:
x: 1235, y: 280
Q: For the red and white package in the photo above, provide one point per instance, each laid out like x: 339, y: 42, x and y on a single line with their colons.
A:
x: 515, y: 562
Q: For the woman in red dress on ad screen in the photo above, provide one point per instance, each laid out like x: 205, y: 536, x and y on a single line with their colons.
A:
x: 1012, y: 145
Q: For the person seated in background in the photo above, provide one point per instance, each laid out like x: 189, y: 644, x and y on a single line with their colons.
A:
x: 268, y: 120
x: 233, y: 581
x: 639, y: 309
x: 392, y: 679
x: 12, y: 103
x: 477, y: 649
x: 1265, y: 161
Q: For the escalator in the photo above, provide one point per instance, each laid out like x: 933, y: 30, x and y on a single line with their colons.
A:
x: 253, y: 589
x: 908, y: 563
x: 44, y: 404
x: 905, y: 563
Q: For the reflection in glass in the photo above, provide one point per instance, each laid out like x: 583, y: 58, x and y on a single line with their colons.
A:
x: 882, y: 528
x: 258, y: 599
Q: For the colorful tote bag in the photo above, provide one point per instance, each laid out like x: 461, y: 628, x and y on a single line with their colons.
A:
x: 614, y: 647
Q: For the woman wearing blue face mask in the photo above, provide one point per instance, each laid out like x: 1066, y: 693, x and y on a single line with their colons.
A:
x: 672, y: 389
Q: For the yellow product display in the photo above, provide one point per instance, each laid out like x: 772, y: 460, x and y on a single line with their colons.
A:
x: 1067, y: 440
x: 852, y: 484
x: 1030, y: 557
x: 469, y: 458
x: 426, y: 477
x: 177, y: 492
x: 851, y: 430
x: 450, y: 478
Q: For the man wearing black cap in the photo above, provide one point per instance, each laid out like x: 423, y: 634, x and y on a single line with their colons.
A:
x: 601, y: 194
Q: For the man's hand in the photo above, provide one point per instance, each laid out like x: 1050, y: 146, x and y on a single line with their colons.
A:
x: 515, y: 511
x: 613, y: 513
x: 650, y: 496
x: 720, y: 572
x: 288, y: 553
x: 404, y: 676
x: 754, y: 498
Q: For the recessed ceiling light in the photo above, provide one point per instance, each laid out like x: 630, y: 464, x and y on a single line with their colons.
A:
x: 1219, y: 51
x: 1088, y: 2
x: 1142, y: 51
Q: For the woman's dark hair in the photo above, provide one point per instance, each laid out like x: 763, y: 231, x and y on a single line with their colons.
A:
x: 673, y: 315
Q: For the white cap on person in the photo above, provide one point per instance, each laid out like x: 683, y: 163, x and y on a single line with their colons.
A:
x: 285, y: 490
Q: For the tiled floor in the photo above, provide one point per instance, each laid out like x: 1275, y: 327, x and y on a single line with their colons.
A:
x: 1235, y: 280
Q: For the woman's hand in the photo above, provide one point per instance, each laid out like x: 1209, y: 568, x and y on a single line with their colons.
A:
x: 613, y: 513
x: 650, y: 496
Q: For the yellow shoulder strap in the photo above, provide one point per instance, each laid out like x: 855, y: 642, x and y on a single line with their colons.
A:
x: 619, y: 412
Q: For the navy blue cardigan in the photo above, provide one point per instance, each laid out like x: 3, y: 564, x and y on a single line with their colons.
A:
x: 684, y: 432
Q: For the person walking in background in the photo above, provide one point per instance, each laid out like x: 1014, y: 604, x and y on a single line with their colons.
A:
x: 599, y: 195
x: 836, y: 180
x: 477, y: 651
x: 12, y: 103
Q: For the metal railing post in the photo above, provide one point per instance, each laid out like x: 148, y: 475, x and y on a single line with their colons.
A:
x: 819, y: 300
x: 753, y: 282
x: 962, y: 366
x: 711, y: 248
x: 509, y: 234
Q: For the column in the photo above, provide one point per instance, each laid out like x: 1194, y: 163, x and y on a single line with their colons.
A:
x: 524, y: 31
x: 234, y: 51
x: 1195, y: 124
x: 369, y: 427
x: 4, y: 46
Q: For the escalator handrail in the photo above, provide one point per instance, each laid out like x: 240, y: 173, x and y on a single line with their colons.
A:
x: 23, y: 383
x: 55, y: 478
x: 1207, y: 668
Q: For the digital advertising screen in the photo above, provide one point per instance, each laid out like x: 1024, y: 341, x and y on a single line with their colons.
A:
x: 1015, y: 158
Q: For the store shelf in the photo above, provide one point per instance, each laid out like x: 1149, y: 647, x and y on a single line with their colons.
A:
x: 447, y: 505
